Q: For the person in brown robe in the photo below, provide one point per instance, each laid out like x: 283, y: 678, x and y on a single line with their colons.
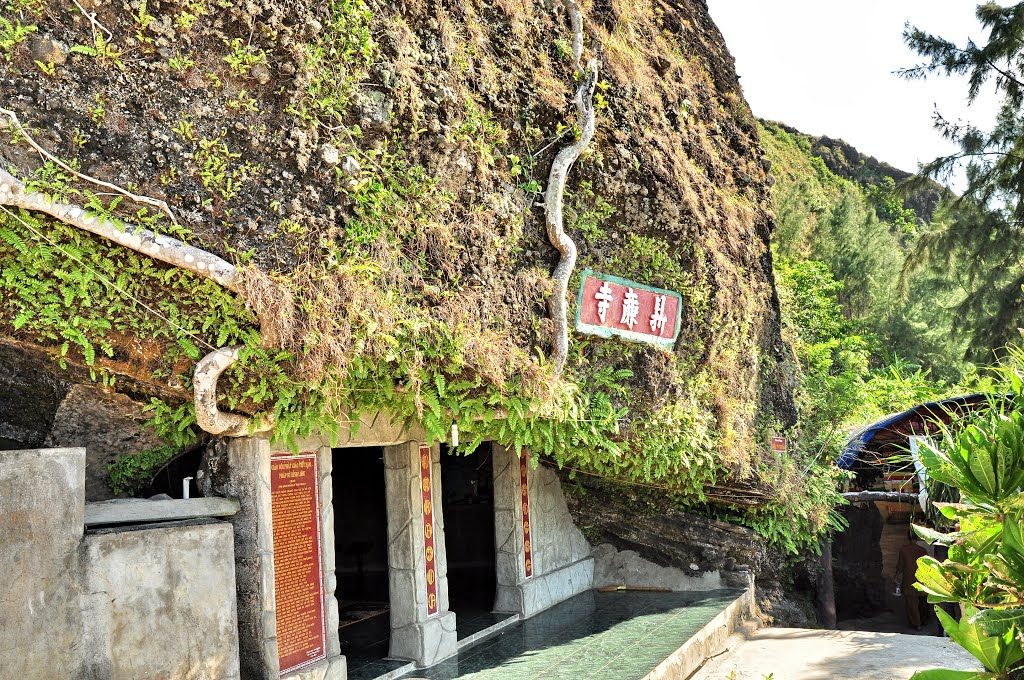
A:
x: 906, y: 567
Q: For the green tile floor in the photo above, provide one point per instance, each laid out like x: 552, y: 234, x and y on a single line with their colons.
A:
x: 593, y: 636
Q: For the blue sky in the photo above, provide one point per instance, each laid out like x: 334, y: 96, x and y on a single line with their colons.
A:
x: 826, y: 67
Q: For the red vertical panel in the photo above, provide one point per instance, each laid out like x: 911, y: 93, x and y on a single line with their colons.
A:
x: 428, y: 528
x: 524, y: 485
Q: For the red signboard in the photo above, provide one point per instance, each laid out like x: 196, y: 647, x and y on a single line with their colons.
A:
x: 779, y: 444
x: 607, y: 306
x: 524, y: 484
x: 298, y: 571
x: 428, y: 528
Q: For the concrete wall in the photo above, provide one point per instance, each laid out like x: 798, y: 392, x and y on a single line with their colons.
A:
x: 240, y: 468
x: 118, y: 604
x: 159, y: 602
x: 562, y: 565
x: 41, y: 524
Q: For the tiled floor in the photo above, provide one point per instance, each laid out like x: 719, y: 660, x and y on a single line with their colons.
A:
x: 596, y: 636
x: 365, y: 646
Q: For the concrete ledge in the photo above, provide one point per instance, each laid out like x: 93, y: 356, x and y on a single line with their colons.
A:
x: 544, y: 591
x: 707, y: 642
x: 480, y: 635
x: 137, y: 511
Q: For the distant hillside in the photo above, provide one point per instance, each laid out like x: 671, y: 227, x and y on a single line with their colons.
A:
x: 837, y: 208
x: 849, y: 163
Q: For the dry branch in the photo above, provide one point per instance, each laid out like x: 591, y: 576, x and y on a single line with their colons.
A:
x: 156, y: 203
x: 584, y: 101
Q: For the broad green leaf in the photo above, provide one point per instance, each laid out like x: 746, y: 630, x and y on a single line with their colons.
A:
x: 931, y: 579
x: 1013, y: 537
x: 997, y: 621
x: 981, y: 467
x: 948, y: 674
x: 932, y: 536
x: 991, y: 650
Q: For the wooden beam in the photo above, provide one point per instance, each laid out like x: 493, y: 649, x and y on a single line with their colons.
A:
x: 869, y: 496
x: 141, y: 511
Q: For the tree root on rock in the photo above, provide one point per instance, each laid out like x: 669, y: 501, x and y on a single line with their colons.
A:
x: 553, y: 195
x: 14, y: 194
x: 210, y: 418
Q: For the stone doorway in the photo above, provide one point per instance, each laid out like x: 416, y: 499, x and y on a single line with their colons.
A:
x: 361, y: 555
x: 467, y: 486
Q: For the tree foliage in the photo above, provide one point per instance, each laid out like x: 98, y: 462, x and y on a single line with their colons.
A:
x: 981, y: 238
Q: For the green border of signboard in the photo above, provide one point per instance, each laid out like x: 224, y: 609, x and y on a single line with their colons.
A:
x: 632, y: 336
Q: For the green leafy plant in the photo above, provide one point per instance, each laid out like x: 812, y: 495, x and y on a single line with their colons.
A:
x: 12, y: 33
x: 220, y: 170
x: 984, y: 572
x: 102, y: 49
x: 98, y: 109
x: 180, y: 64
x: 46, y: 67
x: 243, y: 56
x: 335, y: 61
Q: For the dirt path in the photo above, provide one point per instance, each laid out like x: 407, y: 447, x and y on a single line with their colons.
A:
x: 804, y: 654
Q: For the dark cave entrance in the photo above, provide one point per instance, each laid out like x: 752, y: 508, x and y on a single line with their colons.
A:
x: 361, y: 554
x: 467, y: 486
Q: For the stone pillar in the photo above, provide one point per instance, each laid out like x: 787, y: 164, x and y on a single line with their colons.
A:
x: 325, y: 460
x: 335, y: 666
x: 240, y: 468
x: 562, y: 565
x: 508, y: 532
x: 425, y: 639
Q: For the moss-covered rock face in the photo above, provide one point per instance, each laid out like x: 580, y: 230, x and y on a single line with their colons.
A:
x: 378, y: 166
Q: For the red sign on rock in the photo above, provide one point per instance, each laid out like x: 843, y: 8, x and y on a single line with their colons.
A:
x: 298, y: 572
x: 607, y: 306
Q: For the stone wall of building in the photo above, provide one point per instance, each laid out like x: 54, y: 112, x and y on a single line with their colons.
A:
x: 562, y: 565
x: 117, y: 604
x: 415, y: 634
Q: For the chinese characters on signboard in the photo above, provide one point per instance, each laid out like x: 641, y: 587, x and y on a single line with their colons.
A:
x: 428, y: 528
x: 608, y: 306
x: 778, y: 444
x: 524, y: 484
x: 298, y: 574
